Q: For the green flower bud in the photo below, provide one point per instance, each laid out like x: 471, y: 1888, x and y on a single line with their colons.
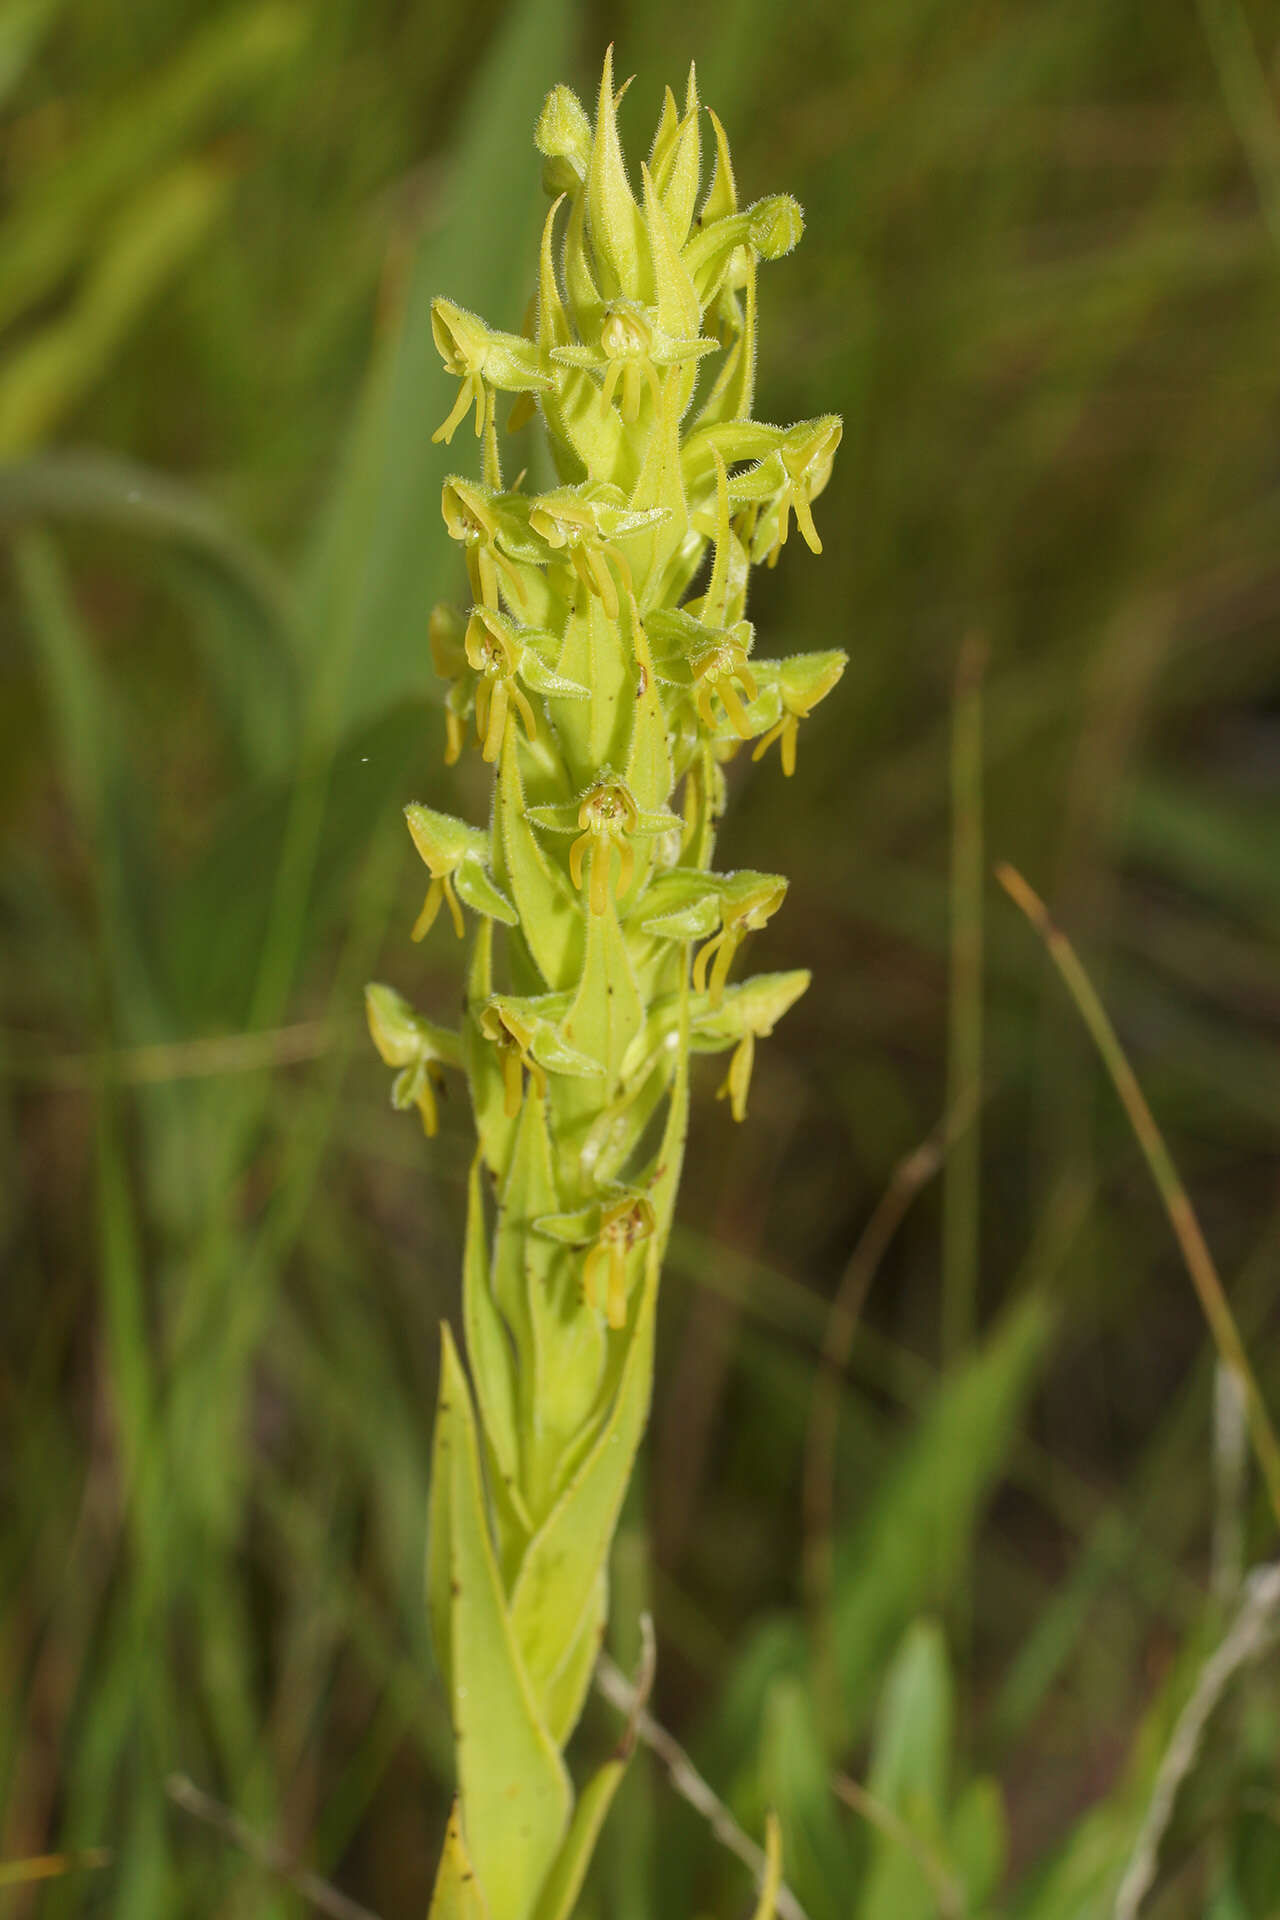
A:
x: 563, y: 136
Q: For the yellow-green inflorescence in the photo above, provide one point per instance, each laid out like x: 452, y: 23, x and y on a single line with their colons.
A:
x: 606, y: 670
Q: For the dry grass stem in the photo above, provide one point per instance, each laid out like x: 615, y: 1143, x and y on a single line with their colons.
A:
x: 1195, y: 1252
x: 264, y: 1853
x: 948, y: 1893
x: 1255, y: 1628
x: 685, y: 1779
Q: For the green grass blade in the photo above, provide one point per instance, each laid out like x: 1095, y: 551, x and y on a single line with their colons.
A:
x: 45, y: 234
x: 160, y: 230
x: 901, y: 1556
x: 382, y: 554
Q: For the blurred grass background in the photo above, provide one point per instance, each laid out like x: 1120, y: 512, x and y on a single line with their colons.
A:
x: 1041, y: 282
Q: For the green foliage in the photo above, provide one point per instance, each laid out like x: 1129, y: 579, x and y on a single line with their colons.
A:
x: 908, y: 1547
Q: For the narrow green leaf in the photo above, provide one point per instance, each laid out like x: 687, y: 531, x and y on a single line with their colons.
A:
x: 129, y: 145
x: 560, y: 1895
x: 383, y: 554
x: 794, y: 1779
x: 676, y: 175
x: 911, y: 1753
x: 23, y: 25
x: 910, y: 1763
x: 489, y: 1343
x: 440, y: 1536
x: 900, y: 1557
x: 44, y: 379
x: 515, y: 1791
x: 90, y: 761
x: 521, y: 1258
x: 978, y: 1841
x: 661, y: 483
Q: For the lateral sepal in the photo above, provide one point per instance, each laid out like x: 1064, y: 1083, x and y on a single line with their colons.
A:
x: 408, y: 1040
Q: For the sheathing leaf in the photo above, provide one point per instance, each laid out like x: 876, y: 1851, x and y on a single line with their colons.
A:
x: 440, y: 1535
x: 516, y: 1795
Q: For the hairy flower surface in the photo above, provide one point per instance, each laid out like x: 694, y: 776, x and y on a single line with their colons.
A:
x: 606, y: 669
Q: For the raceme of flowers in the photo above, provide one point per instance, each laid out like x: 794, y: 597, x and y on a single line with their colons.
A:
x: 606, y: 670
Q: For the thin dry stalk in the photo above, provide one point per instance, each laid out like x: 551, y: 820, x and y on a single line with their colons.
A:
x: 265, y: 1853
x: 685, y: 1779
x: 1191, y: 1241
x: 961, y: 1187
x: 161, y: 1061
x: 912, y: 1173
x: 52, y: 1866
x: 947, y: 1891
x: 1255, y: 1628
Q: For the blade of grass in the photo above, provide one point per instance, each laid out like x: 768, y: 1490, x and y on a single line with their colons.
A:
x: 208, y: 1057
x: 1112, y: 1539
x: 131, y: 141
x: 891, y: 1826
x: 85, y: 729
x: 1253, y: 1630
x: 685, y: 1780
x: 818, y: 1483
x: 1177, y: 1204
x: 106, y: 489
x: 381, y: 554
x: 52, y: 1866
x: 1249, y: 99
x: 23, y: 25
x: 156, y: 234
x: 265, y: 1853
x: 961, y: 1192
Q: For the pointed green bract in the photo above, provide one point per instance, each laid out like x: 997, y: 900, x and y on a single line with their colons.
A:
x: 457, y: 1895
x: 606, y: 670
